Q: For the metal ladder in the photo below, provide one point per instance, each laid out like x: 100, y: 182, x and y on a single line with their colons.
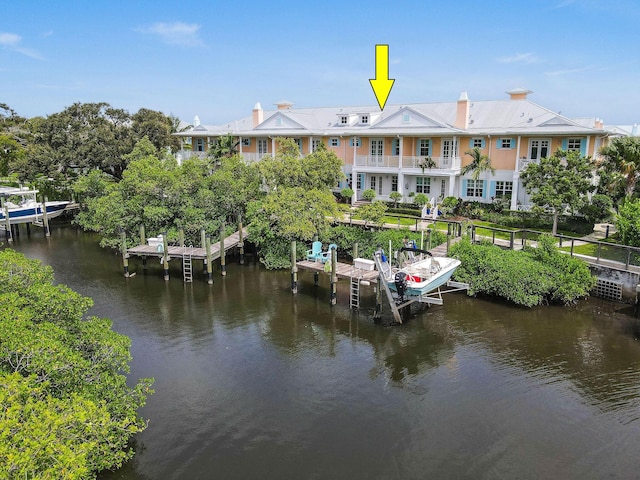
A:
x: 187, y: 267
x: 355, y: 293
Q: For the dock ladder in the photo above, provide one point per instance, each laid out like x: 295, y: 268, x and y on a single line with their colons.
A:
x: 355, y: 293
x: 187, y: 267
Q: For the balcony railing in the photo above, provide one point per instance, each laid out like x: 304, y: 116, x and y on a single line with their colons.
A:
x: 251, y: 157
x: 443, y: 163
x: 377, y: 161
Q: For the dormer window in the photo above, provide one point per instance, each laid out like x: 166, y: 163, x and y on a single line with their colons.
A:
x: 364, y: 119
x: 279, y: 122
x: 406, y: 118
x: 344, y: 119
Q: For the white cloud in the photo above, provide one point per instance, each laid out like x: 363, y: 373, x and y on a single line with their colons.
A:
x: 178, y: 33
x: 569, y: 71
x: 12, y: 42
x: 519, y: 58
x: 9, y: 39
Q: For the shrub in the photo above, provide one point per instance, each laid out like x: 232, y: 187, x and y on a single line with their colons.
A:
x: 368, y: 195
x: 528, y: 278
x: 628, y: 223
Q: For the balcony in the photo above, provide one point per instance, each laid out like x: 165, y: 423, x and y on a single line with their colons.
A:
x: 441, y: 163
x: 390, y: 161
x: 254, y: 157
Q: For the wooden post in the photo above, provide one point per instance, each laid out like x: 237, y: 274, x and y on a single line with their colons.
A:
x: 334, y: 275
x: 165, y: 257
x: 203, y: 243
x: 223, y: 260
x: 7, y: 221
x: 45, y: 220
x: 208, y: 261
x: 28, y: 229
x: 241, y: 241
x: 143, y: 237
x: 355, y: 250
x: 125, y: 256
x: 294, y: 268
x: 448, y: 241
x: 181, y: 237
x: 377, y: 313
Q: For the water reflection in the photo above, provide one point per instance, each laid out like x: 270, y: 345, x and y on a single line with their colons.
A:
x: 253, y: 382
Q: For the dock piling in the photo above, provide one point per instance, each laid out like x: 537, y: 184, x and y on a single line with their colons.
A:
x: 208, y: 261
x: 294, y: 269
x: 45, y: 220
x: 165, y: 257
x: 123, y: 249
x: 241, y: 242
x: 334, y: 275
x: 223, y: 254
x: 7, y: 226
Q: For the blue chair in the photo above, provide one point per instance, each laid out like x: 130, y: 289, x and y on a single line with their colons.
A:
x: 315, y: 252
x: 324, y: 256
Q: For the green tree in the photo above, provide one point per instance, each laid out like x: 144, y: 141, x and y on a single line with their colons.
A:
x: 479, y: 164
x: 396, y: 197
x: 559, y: 182
x: 421, y: 199
x: 373, y: 213
x: 225, y: 146
x: 368, y: 195
x: 619, y: 167
x: 11, y: 154
x: 68, y: 412
x: 628, y: 222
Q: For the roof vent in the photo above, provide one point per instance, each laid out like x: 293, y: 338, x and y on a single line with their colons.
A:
x: 519, y: 93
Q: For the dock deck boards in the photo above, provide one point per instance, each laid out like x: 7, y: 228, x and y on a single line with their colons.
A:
x: 197, y: 253
x: 343, y: 270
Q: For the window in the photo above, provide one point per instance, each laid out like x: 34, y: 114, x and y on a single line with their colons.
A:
x: 246, y: 142
x: 423, y: 185
x: 477, y: 143
x: 503, y: 189
x: 406, y: 118
x: 424, y: 147
x: 315, y: 143
x: 199, y: 145
x: 344, y: 120
x: 538, y: 149
x: 373, y: 183
x: 334, y: 142
x: 262, y: 145
x: 359, y: 182
x: 449, y: 149
x: 394, y: 183
x: 377, y: 147
x: 395, y: 147
x: 298, y: 143
x: 443, y: 184
x: 364, y: 119
x: 350, y: 180
x: 574, y: 144
x: 379, y: 185
x: 279, y: 122
x: 475, y: 188
x: 358, y: 142
x: 506, y: 143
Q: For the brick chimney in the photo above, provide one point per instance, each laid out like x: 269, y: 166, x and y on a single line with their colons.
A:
x: 462, y: 112
x: 258, y: 115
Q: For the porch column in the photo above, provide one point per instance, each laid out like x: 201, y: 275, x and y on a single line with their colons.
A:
x: 240, y: 142
x: 354, y: 184
x: 310, y: 144
x: 452, y: 186
x: 516, y: 177
x: 273, y: 146
x: 400, y: 174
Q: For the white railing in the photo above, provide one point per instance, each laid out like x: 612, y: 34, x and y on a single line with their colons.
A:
x: 186, y: 154
x: 254, y: 157
x: 377, y: 161
x: 522, y: 164
x: 443, y: 163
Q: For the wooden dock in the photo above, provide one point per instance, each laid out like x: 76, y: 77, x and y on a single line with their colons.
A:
x: 343, y: 270
x: 197, y: 253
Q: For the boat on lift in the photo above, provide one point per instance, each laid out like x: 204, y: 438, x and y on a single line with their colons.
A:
x: 417, y: 273
x: 23, y: 207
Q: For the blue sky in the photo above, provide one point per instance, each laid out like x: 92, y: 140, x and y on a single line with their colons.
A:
x: 217, y: 59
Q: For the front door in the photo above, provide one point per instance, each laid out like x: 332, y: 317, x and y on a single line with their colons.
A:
x: 377, y: 149
x: 538, y: 149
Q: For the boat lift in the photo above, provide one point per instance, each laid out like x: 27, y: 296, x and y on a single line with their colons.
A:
x: 398, y: 303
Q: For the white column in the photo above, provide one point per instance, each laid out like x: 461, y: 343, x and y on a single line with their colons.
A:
x: 452, y: 186
x: 273, y: 146
x: 400, y: 173
x: 240, y: 145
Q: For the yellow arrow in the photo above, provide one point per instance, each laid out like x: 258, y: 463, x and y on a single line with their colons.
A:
x: 382, y: 84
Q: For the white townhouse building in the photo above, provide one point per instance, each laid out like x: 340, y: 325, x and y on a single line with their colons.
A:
x: 416, y: 148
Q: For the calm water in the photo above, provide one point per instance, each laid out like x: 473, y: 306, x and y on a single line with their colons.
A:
x: 252, y: 382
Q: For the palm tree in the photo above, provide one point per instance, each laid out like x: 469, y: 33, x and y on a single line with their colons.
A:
x: 479, y: 163
x: 226, y: 146
x: 622, y: 162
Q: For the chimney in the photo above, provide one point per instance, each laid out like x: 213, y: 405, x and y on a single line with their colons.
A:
x: 599, y: 124
x: 284, y: 105
x: 519, y: 93
x: 462, y: 112
x: 258, y: 115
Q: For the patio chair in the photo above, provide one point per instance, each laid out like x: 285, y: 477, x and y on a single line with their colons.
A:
x: 324, y: 256
x: 315, y: 252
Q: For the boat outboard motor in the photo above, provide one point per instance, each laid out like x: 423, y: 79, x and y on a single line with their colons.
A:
x: 400, y: 281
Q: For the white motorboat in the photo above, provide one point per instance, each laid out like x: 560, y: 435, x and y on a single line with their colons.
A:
x: 23, y: 207
x: 418, y: 272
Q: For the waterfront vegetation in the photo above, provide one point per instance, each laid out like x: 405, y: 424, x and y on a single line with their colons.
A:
x: 67, y: 409
x: 534, y: 276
